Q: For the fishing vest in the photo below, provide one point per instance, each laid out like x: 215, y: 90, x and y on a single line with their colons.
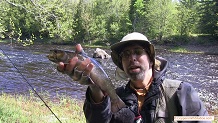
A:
x: 166, y: 107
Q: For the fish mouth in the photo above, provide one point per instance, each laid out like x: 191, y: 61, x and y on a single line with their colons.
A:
x: 51, y: 58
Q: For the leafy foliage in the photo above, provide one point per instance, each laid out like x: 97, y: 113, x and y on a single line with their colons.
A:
x: 188, y: 16
x: 208, y: 13
x: 104, y: 21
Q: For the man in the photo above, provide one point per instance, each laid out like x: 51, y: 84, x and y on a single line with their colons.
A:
x: 149, y: 97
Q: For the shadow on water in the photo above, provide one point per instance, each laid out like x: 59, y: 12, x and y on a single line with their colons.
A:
x: 198, y: 69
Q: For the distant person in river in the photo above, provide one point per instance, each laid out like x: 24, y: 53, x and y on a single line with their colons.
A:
x: 149, y: 96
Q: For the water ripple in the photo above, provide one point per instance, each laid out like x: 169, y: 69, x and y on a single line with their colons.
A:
x: 198, y: 69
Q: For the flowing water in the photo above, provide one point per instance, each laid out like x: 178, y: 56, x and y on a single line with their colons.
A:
x: 198, y: 69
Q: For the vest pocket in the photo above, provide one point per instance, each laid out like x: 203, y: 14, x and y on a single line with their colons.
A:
x: 162, y: 114
x: 163, y: 117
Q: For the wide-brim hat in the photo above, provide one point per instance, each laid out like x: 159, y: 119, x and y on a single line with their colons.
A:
x: 129, y: 39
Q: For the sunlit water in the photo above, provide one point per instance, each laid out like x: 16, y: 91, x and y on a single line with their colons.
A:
x: 198, y: 69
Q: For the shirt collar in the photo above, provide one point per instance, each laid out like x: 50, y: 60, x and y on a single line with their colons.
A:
x: 141, y: 92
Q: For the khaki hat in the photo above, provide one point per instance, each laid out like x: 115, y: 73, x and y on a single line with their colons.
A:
x: 128, y: 40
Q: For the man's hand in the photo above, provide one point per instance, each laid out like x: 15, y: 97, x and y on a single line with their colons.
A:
x: 125, y: 115
x: 78, y: 70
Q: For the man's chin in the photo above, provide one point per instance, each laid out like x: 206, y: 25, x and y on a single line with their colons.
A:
x: 136, y: 75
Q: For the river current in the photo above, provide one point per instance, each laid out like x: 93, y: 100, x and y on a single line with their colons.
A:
x: 200, y: 70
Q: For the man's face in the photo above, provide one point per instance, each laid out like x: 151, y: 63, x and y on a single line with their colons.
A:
x: 136, y: 62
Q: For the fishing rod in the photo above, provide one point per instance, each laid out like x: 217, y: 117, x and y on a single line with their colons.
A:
x: 30, y: 85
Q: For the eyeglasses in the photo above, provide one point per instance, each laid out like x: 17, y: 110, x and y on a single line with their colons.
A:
x: 127, y: 53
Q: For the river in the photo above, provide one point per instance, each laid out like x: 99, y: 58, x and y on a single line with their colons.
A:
x: 198, y: 69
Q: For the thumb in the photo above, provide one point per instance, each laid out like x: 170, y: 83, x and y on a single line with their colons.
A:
x: 78, y: 48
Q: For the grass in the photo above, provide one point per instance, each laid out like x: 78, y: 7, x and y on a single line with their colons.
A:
x: 180, y: 49
x: 23, y: 109
x: 29, y: 109
x: 96, y: 46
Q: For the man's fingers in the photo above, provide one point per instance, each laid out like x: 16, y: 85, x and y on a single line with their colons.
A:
x: 72, y: 64
x: 78, y: 48
x: 85, y: 78
x: 88, y: 69
x: 81, y: 70
x: 78, y: 70
x: 61, y: 67
x: 84, y: 64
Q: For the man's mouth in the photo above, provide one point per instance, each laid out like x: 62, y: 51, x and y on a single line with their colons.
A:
x: 134, y: 69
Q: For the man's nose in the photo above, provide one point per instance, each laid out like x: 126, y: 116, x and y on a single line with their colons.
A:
x: 132, y: 57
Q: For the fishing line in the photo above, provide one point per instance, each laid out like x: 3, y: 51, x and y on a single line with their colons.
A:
x: 30, y: 85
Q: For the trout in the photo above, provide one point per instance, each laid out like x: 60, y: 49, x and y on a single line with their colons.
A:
x: 97, y: 75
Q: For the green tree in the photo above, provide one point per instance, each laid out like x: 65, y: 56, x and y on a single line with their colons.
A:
x: 117, y: 24
x: 208, y: 12
x: 187, y: 17
x: 137, y: 15
x: 104, y: 21
x: 56, y: 18
x: 160, y: 16
x: 78, y: 23
x: 18, y: 21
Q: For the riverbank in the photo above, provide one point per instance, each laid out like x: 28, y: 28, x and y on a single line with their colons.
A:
x: 29, y: 109
x: 209, y: 48
x: 200, y: 49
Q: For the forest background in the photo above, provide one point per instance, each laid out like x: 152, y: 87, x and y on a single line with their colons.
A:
x: 97, y: 22
x: 104, y: 22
